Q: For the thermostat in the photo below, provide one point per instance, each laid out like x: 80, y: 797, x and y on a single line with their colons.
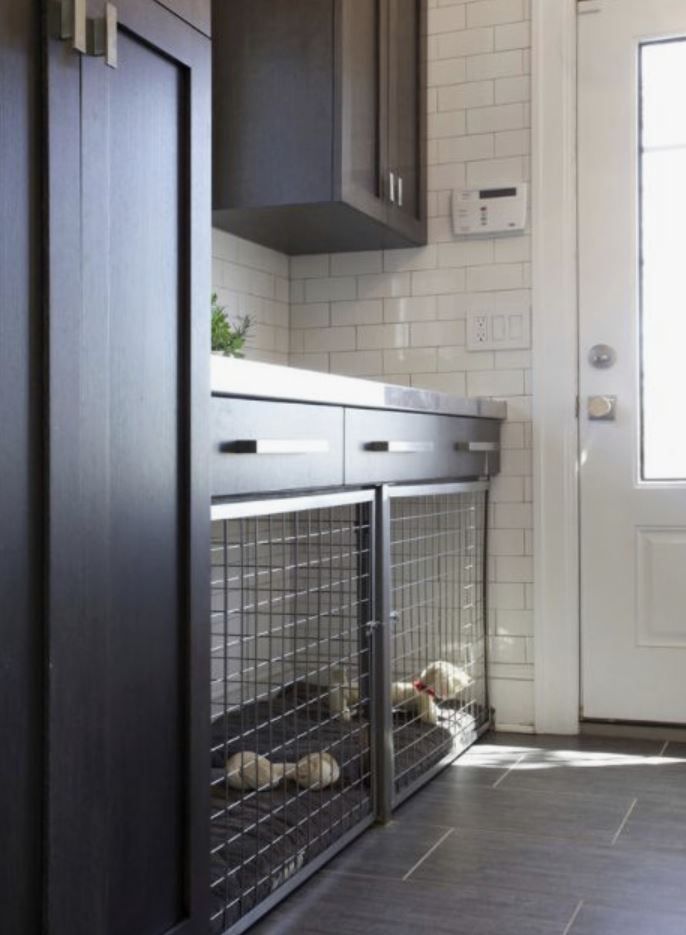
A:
x: 489, y: 211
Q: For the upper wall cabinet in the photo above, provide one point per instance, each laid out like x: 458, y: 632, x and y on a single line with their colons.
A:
x: 319, y: 123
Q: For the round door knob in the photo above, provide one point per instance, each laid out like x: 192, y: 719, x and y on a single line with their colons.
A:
x: 602, y: 356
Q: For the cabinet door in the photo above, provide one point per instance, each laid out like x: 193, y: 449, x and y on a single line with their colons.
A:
x: 361, y: 139
x: 406, y: 112
x: 129, y: 228
x: 21, y: 531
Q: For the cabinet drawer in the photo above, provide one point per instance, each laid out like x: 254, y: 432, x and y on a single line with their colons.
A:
x: 259, y: 446
x: 404, y: 446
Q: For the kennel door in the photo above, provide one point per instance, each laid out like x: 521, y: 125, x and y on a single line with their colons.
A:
x: 435, y: 604
x: 292, y: 603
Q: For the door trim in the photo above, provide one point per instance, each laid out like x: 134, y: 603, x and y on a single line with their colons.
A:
x: 555, y: 369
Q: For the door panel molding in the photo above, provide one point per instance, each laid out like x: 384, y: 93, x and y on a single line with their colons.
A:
x: 659, y: 623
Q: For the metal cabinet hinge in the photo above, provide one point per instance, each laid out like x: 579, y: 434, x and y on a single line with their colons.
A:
x: 68, y: 21
x: 102, y: 36
x: 89, y: 36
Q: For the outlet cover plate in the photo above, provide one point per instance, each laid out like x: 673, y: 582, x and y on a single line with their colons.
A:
x: 499, y: 327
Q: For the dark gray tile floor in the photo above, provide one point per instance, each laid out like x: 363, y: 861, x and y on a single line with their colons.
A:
x: 522, y: 836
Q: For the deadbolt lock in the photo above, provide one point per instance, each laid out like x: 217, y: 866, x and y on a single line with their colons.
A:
x: 602, y: 408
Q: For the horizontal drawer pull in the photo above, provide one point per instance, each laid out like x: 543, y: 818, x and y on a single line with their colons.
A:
x: 277, y: 446
x: 401, y: 448
x: 476, y: 447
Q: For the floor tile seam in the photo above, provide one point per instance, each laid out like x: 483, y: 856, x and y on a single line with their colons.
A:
x: 434, y: 847
x: 507, y: 772
x: 581, y: 793
x: 575, y: 914
x: 624, y: 821
x: 535, y: 836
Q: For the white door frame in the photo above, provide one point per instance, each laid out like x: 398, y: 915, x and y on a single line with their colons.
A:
x: 555, y: 368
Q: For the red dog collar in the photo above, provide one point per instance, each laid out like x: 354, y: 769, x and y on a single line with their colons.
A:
x: 423, y: 687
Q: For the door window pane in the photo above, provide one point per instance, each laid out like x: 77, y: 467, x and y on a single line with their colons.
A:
x: 663, y: 259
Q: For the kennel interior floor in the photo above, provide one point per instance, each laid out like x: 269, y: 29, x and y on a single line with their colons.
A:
x: 522, y: 836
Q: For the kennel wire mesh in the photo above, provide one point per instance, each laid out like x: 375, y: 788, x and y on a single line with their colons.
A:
x: 291, y: 601
x: 437, y: 545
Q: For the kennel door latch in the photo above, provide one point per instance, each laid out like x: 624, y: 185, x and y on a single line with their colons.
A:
x: 371, y: 627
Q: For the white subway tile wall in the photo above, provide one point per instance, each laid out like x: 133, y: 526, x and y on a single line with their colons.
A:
x: 400, y: 315
x: 252, y: 280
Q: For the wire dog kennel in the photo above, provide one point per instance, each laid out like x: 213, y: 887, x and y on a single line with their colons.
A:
x: 437, y: 606
x: 309, y: 695
x: 291, y: 769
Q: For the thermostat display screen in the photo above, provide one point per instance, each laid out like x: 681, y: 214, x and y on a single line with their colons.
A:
x: 498, y: 193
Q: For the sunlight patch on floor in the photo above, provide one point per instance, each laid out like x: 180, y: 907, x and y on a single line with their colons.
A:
x: 486, y: 756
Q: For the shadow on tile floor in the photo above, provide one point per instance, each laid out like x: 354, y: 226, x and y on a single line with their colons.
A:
x: 522, y: 836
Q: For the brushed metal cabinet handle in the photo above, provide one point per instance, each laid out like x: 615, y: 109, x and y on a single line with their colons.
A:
x: 477, y: 446
x: 391, y: 187
x: 401, y: 448
x: 276, y: 446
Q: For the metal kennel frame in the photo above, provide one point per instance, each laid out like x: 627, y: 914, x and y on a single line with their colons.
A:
x: 432, y: 543
x: 319, y: 603
x: 293, y: 603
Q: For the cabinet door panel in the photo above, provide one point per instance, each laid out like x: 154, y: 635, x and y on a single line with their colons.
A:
x: 360, y: 84
x: 406, y: 89
x: 129, y: 498
x: 21, y: 703
x: 307, y: 446
x: 391, y: 447
x: 273, y: 102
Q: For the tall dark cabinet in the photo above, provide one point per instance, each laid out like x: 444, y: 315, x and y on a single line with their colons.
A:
x: 104, y: 387
x: 21, y: 503
x: 319, y: 122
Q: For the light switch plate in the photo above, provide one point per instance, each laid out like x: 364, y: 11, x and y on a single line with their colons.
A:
x: 499, y: 327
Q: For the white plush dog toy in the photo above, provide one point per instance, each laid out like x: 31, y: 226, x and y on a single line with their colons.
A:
x: 249, y: 770
x: 439, y: 681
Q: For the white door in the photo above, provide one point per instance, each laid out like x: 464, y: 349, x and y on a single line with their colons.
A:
x: 632, y: 293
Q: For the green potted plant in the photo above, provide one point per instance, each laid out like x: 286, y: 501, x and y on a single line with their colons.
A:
x: 228, y: 339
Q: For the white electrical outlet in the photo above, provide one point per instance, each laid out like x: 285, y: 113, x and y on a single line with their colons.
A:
x: 480, y: 329
x: 502, y: 326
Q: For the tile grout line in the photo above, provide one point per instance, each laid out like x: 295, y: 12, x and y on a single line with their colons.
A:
x: 664, y: 748
x: 428, y: 854
x: 624, y: 821
x: 508, y: 771
x: 568, y: 927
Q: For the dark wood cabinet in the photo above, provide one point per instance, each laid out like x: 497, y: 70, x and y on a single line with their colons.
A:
x: 128, y: 234
x: 104, y: 525
x: 319, y: 113
x: 406, y: 113
x: 21, y: 505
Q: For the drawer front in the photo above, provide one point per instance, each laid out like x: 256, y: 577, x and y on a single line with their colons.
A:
x: 260, y: 446
x: 399, y: 447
